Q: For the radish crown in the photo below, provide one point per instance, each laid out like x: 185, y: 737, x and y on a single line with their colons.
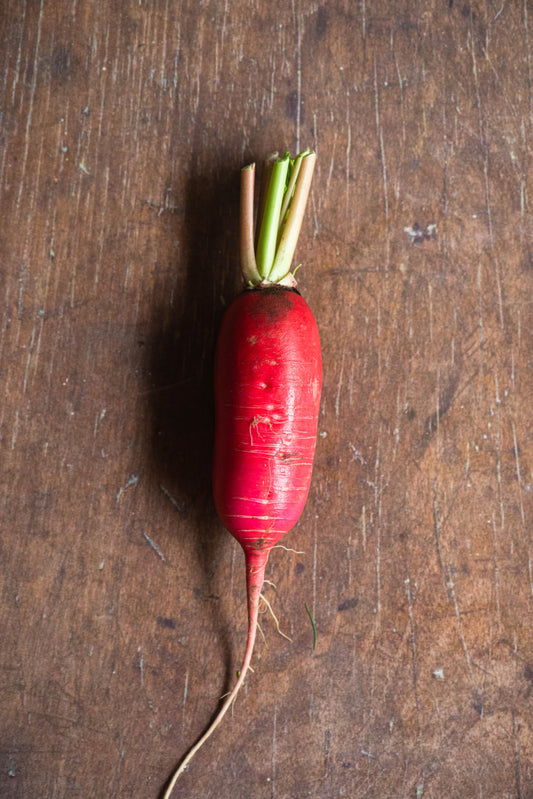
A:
x: 266, y: 258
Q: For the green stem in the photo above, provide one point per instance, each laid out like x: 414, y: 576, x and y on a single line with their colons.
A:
x: 266, y: 246
x: 291, y: 231
x: 263, y: 189
x: 295, y: 170
x: 284, y: 192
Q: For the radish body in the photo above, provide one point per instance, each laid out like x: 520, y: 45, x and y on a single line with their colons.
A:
x: 268, y: 379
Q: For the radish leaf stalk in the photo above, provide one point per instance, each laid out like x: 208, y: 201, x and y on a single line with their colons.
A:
x: 248, y: 262
x: 268, y: 233
x: 268, y: 163
x: 284, y: 192
x: 294, y: 170
x: 291, y: 229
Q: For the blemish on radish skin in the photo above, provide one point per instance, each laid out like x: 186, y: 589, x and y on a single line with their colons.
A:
x: 254, y: 424
x: 261, y: 543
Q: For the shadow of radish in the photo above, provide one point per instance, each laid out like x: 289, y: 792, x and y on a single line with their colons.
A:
x: 179, y: 358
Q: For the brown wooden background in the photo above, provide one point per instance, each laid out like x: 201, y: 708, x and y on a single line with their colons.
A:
x: 122, y: 130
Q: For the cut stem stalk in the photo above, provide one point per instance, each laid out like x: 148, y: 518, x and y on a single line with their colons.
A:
x: 291, y: 231
x: 263, y: 191
x: 248, y: 263
x: 290, y: 190
x: 268, y: 235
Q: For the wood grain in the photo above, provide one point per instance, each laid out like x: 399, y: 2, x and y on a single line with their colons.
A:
x: 122, y: 129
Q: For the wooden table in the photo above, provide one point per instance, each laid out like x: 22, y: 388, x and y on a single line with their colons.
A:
x: 123, y: 127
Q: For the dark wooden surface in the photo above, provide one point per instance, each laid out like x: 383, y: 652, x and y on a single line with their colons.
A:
x: 123, y: 126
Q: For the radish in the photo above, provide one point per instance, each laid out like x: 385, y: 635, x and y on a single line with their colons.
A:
x: 268, y: 378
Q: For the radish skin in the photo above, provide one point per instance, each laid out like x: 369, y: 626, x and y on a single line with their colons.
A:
x: 268, y: 380
x: 268, y: 377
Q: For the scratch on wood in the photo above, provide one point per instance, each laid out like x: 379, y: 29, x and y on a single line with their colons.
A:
x: 516, y: 757
x: 274, y: 752
x: 378, y: 564
x: 20, y: 303
x: 339, y: 387
x: 97, y: 421
x: 480, y: 309
x: 451, y: 590
x: 528, y: 61
x: 163, y: 39
x: 178, y: 505
x: 378, y: 499
x: 413, y: 651
x: 102, y: 236
x: 379, y: 131
x: 28, y: 361
x: 131, y: 483
x: 401, y: 83
x: 496, y: 574
x: 331, y: 162
x: 154, y: 546
x: 185, y: 689
x: 521, y: 505
x: 15, y: 429
x: 488, y: 200
x: 378, y: 336
x: 430, y: 311
x: 518, y: 473
x: 327, y: 746
x: 448, y: 581
x: 348, y: 152
x: 33, y: 85
x: 141, y: 665
x: 497, y: 448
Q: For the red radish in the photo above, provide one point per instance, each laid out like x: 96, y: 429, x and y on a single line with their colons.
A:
x: 268, y: 378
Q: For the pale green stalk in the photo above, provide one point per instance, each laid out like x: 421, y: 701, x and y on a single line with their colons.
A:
x: 266, y: 172
x: 290, y: 190
x: 291, y: 231
x: 284, y: 192
x: 266, y: 246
